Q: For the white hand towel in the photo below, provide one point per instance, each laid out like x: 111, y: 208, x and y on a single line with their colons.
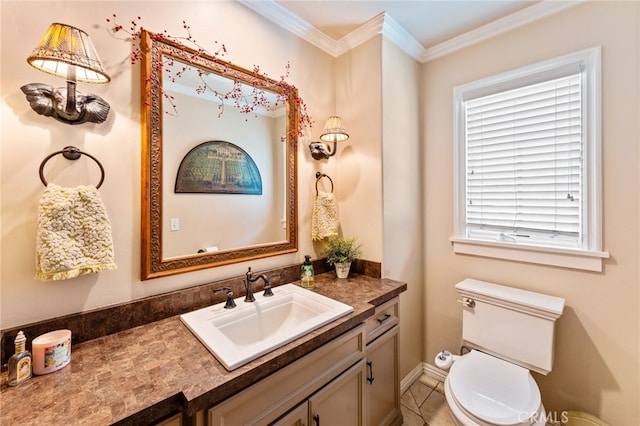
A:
x: 74, y: 234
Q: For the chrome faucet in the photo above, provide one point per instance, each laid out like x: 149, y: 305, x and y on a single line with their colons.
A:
x: 250, y: 279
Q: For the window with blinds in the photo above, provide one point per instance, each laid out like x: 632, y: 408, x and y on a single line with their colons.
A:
x: 523, y: 165
x: 527, y: 164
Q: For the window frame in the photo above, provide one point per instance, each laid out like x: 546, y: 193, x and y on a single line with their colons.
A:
x: 590, y: 255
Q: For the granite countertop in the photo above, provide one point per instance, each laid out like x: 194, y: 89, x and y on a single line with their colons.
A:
x: 139, y: 375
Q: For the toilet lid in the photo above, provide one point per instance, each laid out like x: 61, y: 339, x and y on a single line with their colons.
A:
x: 494, y: 390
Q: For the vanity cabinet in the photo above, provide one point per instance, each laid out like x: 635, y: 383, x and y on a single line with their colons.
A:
x: 382, y: 390
x: 326, y: 382
x: 352, y: 380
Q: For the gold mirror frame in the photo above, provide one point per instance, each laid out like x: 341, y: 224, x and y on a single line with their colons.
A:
x: 154, y: 47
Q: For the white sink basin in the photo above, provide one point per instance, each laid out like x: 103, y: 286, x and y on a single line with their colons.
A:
x: 251, y: 329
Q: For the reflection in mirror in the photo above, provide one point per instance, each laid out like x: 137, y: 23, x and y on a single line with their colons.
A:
x: 202, y: 105
x: 229, y: 220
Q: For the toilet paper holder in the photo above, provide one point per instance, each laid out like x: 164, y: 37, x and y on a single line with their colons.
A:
x: 444, y: 360
x: 444, y: 354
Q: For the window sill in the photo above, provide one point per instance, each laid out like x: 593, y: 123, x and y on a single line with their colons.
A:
x: 567, y: 258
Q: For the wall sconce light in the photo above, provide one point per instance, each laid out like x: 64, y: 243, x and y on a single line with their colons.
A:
x: 67, y: 52
x: 333, y: 132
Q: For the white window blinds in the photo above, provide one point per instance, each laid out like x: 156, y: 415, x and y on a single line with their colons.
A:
x: 524, y: 164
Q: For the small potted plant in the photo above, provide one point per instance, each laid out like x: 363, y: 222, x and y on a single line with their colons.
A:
x: 341, y: 252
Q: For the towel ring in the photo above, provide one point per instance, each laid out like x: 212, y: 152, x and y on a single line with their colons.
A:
x: 71, y: 153
x: 320, y: 176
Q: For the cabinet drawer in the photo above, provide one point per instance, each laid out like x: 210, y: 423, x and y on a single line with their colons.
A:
x: 385, y: 317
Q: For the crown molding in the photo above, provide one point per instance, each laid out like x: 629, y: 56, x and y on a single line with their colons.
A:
x: 385, y: 25
x: 365, y: 32
x: 293, y: 23
x: 401, y: 38
x: 379, y: 24
x: 517, y: 19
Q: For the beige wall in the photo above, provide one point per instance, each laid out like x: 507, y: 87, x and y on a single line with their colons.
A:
x: 377, y: 171
x: 402, y: 193
x: 598, y: 337
x: 358, y: 169
x: 26, y: 138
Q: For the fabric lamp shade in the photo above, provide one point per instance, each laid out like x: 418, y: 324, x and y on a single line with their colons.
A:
x: 334, y: 131
x: 67, y: 52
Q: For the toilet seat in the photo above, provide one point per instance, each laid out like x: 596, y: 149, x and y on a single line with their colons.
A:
x: 494, y: 391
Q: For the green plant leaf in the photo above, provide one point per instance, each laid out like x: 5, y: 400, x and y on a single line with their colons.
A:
x: 341, y: 250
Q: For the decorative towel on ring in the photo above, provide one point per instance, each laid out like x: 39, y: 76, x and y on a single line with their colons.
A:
x: 74, y: 234
x: 324, y: 222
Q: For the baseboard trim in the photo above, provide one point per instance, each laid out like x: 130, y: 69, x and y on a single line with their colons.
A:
x: 413, y: 375
x: 435, y: 372
x: 419, y: 370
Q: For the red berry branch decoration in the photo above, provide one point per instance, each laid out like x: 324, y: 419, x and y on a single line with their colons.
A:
x: 246, y: 103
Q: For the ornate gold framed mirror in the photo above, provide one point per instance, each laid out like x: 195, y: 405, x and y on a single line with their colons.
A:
x: 185, y: 103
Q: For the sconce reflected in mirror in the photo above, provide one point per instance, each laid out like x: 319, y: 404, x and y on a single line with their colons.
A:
x: 334, y: 132
x: 67, y: 52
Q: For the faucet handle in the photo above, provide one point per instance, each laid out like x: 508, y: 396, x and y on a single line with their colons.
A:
x: 267, y: 289
x: 230, y: 303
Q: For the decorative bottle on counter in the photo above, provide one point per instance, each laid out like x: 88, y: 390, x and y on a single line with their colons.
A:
x: 19, y: 364
x: 306, y: 273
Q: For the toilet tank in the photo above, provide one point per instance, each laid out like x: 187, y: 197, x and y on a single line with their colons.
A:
x: 512, y: 324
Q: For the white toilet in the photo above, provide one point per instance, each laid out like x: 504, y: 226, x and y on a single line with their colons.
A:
x: 509, y: 332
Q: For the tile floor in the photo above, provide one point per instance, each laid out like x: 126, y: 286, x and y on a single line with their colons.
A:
x: 424, y: 404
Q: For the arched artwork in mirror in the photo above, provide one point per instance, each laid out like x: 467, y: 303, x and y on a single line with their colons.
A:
x: 230, y: 117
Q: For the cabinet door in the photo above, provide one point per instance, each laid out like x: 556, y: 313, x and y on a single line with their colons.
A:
x: 383, y: 385
x: 342, y: 401
x: 299, y: 416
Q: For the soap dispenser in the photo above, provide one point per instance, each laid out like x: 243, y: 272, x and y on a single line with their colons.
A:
x: 19, y: 364
x: 306, y: 273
